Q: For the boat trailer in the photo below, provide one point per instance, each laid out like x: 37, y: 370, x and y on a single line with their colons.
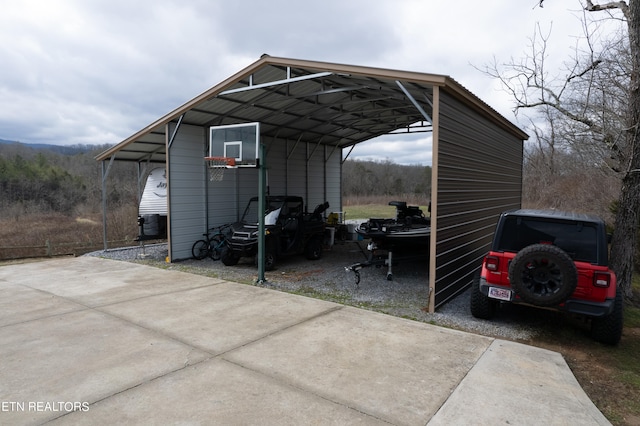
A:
x: 384, y: 258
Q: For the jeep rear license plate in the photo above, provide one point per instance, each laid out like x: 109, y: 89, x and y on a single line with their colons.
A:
x: 499, y: 293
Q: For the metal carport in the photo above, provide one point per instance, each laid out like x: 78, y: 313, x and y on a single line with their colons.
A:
x: 329, y: 108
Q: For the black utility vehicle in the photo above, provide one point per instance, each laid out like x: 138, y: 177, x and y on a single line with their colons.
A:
x: 288, y: 230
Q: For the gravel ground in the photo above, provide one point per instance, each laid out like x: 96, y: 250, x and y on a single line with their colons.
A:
x: 404, y: 296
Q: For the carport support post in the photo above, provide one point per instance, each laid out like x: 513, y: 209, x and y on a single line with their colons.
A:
x: 262, y: 179
x: 105, y: 173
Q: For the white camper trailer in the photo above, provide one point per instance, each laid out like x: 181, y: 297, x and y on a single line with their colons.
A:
x: 152, y: 212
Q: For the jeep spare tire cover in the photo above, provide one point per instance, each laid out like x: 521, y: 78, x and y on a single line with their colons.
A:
x: 543, y: 275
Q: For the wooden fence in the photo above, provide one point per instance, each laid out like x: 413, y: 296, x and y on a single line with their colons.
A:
x: 51, y: 249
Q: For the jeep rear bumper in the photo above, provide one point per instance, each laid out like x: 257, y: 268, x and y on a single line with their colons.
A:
x: 574, y: 306
x: 591, y: 309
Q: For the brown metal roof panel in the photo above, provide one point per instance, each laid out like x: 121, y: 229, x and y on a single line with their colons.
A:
x: 334, y: 87
x: 316, y: 66
x: 149, y: 133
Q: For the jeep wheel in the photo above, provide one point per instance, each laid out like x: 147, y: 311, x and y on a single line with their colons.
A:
x: 481, y: 306
x: 313, y: 250
x: 228, y: 257
x: 543, y: 275
x: 608, y: 329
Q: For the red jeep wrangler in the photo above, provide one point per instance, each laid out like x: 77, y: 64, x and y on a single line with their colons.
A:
x: 552, y: 260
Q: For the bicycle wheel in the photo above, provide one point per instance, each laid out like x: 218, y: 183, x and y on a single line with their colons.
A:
x: 200, y: 249
x: 217, y: 245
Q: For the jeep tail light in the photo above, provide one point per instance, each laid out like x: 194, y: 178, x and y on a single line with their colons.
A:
x: 601, y: 279
x: 491, y: 263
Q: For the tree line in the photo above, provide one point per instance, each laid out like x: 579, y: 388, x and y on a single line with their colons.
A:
x: 38, y: 185
x: 365, y: 179
x: 41, y: 180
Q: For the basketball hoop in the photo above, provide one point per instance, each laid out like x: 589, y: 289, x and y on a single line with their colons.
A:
x: 217, y: 165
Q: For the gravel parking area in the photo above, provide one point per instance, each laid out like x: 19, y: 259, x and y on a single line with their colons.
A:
x: 404, y: 296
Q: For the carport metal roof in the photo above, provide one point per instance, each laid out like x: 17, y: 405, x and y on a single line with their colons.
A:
x: 330, y: 104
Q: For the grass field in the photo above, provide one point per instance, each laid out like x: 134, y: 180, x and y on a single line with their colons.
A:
x: 56, y: 234
x: 366, y: 211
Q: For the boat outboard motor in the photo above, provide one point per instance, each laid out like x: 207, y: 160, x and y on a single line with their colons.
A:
x: 320, y: 208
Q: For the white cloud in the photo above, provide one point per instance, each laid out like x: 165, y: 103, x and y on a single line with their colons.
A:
x: 95, y: 72
x: 414, y: 149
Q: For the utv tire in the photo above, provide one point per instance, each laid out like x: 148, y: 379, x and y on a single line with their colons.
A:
x: 608, y: 329
x: 313, y: 250
x: 543, y: 275
x: 481, y: 306
x: 269, y: 259
x: 200, y: 249
x: 229, y: 258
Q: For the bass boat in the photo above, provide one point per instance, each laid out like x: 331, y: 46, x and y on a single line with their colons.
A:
x: 410, y: 229
x: 408, y: 233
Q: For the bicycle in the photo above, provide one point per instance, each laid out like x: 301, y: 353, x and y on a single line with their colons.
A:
x: 213, y: 245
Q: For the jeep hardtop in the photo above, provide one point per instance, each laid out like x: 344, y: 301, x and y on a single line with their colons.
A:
x: 553, y: 260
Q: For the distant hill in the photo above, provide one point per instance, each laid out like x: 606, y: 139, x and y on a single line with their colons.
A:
x: 47, y: 180
x: 59, y: 149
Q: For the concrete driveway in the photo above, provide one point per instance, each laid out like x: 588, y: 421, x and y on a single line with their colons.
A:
x: 95, y: 341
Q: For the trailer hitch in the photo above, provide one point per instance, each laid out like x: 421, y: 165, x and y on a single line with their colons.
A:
x: 355, y: 268
x: 378, y: 262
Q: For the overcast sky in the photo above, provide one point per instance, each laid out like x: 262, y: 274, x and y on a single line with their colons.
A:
x: 96, y: 71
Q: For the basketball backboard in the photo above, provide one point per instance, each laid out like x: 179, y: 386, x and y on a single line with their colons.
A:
x: 238, y: 141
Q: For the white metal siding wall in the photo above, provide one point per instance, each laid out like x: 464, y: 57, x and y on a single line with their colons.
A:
x: 186, y: 180
x: 228, y: 198
x: 247, y: 187
x: 197, y: 204
x: 313, y: 172
x: 333, y: 179
x: 222, y: 199
x: 296, y: 169
x: 315, y: 177
x: 276, y: 167
x: 479, y: 176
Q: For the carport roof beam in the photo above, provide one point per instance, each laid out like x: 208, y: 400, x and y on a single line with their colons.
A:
x: 175, y: 131
x: 414, y: 102
x: 276, y: 83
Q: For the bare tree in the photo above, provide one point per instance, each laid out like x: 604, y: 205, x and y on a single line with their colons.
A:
x: 591, y: 111
x: 624, y: 242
